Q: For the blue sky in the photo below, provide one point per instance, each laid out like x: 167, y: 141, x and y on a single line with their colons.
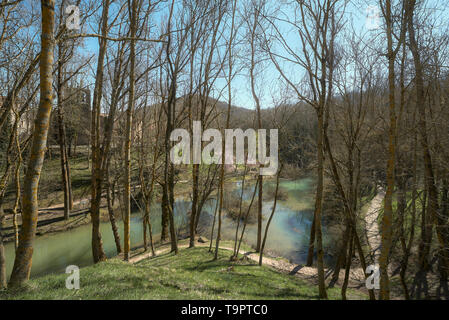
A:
x: 270, y: 87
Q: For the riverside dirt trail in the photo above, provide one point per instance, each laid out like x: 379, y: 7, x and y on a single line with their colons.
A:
x: 372, y: 226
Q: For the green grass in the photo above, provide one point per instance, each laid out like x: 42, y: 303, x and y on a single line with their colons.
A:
x: 190, y: 275
x: 50, y: 186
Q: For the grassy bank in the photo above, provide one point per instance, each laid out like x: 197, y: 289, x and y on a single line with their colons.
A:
x: 190, y: 275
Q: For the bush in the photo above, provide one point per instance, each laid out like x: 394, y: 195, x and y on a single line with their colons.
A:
x: 252, y: 215
x: 270, y: 191
x: 231, y: 204
x: 291, y: 172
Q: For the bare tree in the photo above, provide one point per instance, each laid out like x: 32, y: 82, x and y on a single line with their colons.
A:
x: 22, y: 263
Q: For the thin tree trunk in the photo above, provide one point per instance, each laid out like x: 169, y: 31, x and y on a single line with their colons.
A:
x: 348, y: 210
x: 18, y: 192
x: 318, y: 207
x: 387, y: 218
x: 194, y: 213
x: 311, y: 249
x: 246, y: 216
x: 235, y: 253
x: 348, y: 265
x: 213, y: 222
x: 426, y: 235
x: 341, y: 260
x: 3, y: 281
x: 171, y: 213
x: 228, y: 116
x: 433, y: 208
x: 61, y: 131
x: 255, y: 24
x: 401, y: 212
x: 69, y: 181
x: 115, y: 232
x: 129, y: 123
x: 164, y: 218
x: 147, y: 223
x: 271, y: 217
x: 96, y: 188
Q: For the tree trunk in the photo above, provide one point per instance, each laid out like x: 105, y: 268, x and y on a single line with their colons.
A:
x: 270, y: 218
x: 348, y: 264
x: 112, y: 215
x: 433, y: 208
x: 24, y: 253
x: 3, y: 282
x: 213, y: 222
x: 129, y: 123
x: 17, y: 200
x: 259, y: 214
x: 388, y: 202
x: 341, y: 260
x: 97, y: 242
x: 147, y: 223
x: 348, y: 211
x: 228, y: 116
x: 171, y: 210
x: 194, y: 213
x: 311, y: 249
x: 164, y: 218
x: 318, y: 207
x: 61, y: 134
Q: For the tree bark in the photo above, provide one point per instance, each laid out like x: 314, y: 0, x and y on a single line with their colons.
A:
x: 61, y: 131
x: 348, y: 264
x: 318, y: 208
x: 3, y: 281
x: 97, y: 242
x: 24, y: 253
x: 194, y: 213
x: 115, y: 232
x: 387, y: 219
x: 270, y: 218
x: 433, y: 207
x: 129, y: 123
x: 164, y: 218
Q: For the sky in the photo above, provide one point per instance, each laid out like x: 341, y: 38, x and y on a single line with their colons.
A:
x: 363, y: 15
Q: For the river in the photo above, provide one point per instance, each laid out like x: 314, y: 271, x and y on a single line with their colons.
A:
x: 288, y: 235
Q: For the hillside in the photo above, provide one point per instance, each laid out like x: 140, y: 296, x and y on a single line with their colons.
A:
x: 190, y: 275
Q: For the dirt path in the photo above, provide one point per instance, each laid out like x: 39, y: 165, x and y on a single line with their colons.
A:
x: 372, y: 226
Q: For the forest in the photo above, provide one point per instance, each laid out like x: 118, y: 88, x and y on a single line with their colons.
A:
x: 226, y: 149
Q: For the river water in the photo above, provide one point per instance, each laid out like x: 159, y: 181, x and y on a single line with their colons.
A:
x: 288, y: 235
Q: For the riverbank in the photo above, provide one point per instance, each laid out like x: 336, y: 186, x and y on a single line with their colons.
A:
x: 288, y: 236
x: 192, y: 274
x: 51, y: 219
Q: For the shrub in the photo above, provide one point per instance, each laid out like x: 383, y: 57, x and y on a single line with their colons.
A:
x: 270, y: 191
